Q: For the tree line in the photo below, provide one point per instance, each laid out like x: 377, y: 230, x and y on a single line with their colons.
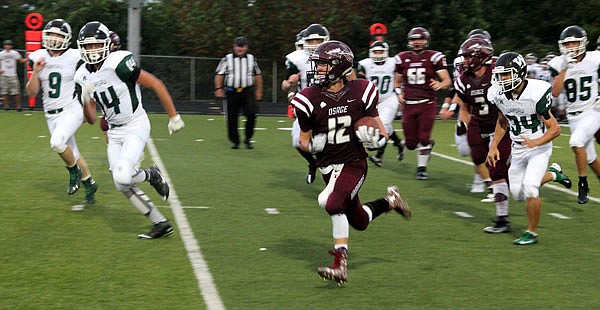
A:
x: 206, y: 28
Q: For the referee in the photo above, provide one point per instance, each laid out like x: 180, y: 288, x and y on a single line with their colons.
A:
x: 238, y: 78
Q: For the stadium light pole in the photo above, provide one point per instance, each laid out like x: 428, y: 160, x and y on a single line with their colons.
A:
x: 134, y: 17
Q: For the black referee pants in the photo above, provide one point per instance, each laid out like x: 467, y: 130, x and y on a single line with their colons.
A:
x: 245, y: 101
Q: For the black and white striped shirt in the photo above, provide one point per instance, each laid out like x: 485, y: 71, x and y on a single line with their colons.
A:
x: 238, y: 71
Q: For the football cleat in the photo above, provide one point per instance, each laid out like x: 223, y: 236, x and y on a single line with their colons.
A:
x: 500, y: 226
x: 400, y: 147
x: 376, y: 160
x: 161, y: 229
x: 527, y: 238
x: 490, y: 197
x: 397, y: 203
x: 311, y: 174
x: 422, y: 173
x: 338, y: 271
x: 584, y: 194
x: 156, y: 180
x: 74, y: 179
x: 478, y: 187
x: 561, y: 178
x: 90, y: 190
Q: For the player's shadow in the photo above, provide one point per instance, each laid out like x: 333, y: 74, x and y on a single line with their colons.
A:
x: 314, y: 254
x: 293, y: 179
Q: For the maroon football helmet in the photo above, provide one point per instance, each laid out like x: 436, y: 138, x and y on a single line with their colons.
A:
x: 337, y: 56
x: 418, y: 33
x: 476, y: 51
x: 115, y: 41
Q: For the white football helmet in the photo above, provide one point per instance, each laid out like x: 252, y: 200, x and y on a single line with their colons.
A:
x: 379, y: 46
x: 61, y: 38
x: 94, y: 33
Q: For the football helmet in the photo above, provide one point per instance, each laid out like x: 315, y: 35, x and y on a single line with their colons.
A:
x: 531, y: 58
x: 315, y: 31
x: 379, y: 46
x: 476, y: 51
x: 573, y: 34
x: 418, y: 33
x: 115, y: 41
x: 53, y: 42
x: 514, y: 64
x: 481, y: 33
x: 337, y: 56
x: 94, y: 33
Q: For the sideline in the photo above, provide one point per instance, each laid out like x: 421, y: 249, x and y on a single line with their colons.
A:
x: 205, y: 280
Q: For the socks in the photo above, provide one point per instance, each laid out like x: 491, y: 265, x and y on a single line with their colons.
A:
x: 377, y: 207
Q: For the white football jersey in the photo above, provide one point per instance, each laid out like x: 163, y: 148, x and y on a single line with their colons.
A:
x: 581, y: 81
x: 382, y: 75
x: 115, y: 87
x: 298, y: 61
x: 57, y: 77
x: 523, y: 114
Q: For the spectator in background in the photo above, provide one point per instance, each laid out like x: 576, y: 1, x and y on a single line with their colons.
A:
x: 9, y: 80
x: 238, y: 78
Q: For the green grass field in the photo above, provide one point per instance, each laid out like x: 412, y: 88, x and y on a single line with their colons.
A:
x: 55, y: 258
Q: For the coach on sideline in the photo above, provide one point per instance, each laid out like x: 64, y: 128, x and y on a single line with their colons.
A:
x: 238, y: 78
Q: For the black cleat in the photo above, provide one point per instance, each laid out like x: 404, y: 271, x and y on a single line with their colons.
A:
x: 584, y: 194
x: 400, y: 147
x: 377, y: 161
x: 422, y: 173
x: 249, y: 144
x: 311, y: 174
x: 158, y: 230
x: 156, y: 180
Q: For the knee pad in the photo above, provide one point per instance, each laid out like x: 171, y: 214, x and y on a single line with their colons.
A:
x: 531, y: 191
x: 58, y: 144
x: 123, y: 188
x: 122, y: 173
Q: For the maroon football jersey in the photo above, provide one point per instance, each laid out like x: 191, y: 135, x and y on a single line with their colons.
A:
x: 334, y: 114
x: 473, y: 92
x: 417, y: 71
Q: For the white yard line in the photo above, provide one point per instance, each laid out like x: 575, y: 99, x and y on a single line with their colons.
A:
x: 552, y: 186
x: 205, y: 280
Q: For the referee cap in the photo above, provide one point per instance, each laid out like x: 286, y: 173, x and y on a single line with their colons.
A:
x: 240, y: 41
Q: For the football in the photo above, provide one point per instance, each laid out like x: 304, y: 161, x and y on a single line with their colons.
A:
x: 366, y: 121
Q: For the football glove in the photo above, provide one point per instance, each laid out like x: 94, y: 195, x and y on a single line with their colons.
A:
x: 568, y: 61
x: 86, y: 92
x: 175, y: 124
x: 370, y: 138
x: 317, y: 143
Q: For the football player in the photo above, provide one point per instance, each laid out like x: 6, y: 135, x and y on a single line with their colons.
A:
x: 419, y: 74
x: 53, y: 74
x: 481, y: 177
x: 524, y: 111
x: 533, y: 68
x: 112, y: 81
x: 297, y: 79
x: 379, y: 69
x: 480, y: 118
x: 326, y: 112
x: 576, y: 72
